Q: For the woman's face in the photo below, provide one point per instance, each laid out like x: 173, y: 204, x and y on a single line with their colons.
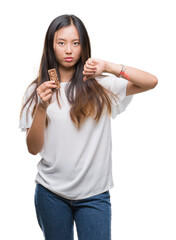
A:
x: 67, y: 47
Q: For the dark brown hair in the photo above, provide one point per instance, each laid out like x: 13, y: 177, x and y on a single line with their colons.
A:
x: 86, y: 98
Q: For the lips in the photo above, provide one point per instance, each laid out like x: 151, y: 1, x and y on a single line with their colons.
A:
x: 69, y: 59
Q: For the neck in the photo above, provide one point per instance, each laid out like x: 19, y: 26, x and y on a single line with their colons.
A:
x: 66, y: 73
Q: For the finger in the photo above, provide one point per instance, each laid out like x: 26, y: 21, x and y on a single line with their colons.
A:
x: 90, y: 67
x: 47, y: 98
x: 89, y: 70
x: 94, y: 61
x: 41, y: 89
x: 89, y: 73
x: 85, y: 78
x: 45, y: 93
x: 49, y: 84
x: 43, y: 98
x: 46, y: 85
x: 90, y: 62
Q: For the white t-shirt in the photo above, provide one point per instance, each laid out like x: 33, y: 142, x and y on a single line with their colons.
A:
x: 77, y: 164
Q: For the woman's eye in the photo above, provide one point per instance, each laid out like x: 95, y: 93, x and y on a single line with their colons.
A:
x: 61, y: 43
x: 76, y: 43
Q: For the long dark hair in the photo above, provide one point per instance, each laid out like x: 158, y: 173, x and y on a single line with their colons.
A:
x: 86, y: 98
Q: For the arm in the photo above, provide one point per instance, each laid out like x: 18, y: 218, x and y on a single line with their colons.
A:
x: 139, y: 81
x: 35, y: 134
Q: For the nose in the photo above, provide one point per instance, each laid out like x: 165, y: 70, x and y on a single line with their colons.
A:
x: 68, y: 49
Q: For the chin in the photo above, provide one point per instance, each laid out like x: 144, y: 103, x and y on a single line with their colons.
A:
x: 69, y: 64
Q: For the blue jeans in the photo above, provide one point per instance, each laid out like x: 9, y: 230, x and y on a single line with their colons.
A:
x: 56, y: 216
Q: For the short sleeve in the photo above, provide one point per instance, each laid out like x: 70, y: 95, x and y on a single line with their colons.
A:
x: 26, y: 117
x: 118, y: 87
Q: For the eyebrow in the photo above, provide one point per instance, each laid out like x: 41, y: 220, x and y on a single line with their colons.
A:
x: 76, y: 39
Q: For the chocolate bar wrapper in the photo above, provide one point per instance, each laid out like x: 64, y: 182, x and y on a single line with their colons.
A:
x: 53, y: 76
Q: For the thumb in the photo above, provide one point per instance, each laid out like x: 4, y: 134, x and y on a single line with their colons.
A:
x: 84, y: 78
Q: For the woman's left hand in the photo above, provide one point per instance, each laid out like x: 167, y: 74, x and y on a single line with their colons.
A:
x: 93, y: 68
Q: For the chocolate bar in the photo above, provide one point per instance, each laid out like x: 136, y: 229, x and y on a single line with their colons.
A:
x: 53, y: 76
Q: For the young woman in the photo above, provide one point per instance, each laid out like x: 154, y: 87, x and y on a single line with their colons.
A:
x: 70, y: 127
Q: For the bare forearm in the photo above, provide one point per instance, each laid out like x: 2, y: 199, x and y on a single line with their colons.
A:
x: 136, y: 76
x: 35, y: 136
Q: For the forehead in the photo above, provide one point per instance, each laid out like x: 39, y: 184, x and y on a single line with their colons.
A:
x: 67, y: 33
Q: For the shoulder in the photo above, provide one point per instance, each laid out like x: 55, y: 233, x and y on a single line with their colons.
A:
x: 28, y: 92
x: 30, y: 89
x: 104, y: 80
x: 111, y: 81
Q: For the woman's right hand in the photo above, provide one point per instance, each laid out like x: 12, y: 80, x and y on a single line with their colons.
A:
x: 44, y: 92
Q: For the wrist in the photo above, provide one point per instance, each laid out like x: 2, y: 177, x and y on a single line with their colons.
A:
x: 106, y: 67
x: 42, y: 107
x: 113, y: 68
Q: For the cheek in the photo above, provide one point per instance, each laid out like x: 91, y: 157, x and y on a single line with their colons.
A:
x: 58, y: 53
x: 79, y: 52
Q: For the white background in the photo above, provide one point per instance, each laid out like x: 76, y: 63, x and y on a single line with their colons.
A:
x: 137, y: 33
